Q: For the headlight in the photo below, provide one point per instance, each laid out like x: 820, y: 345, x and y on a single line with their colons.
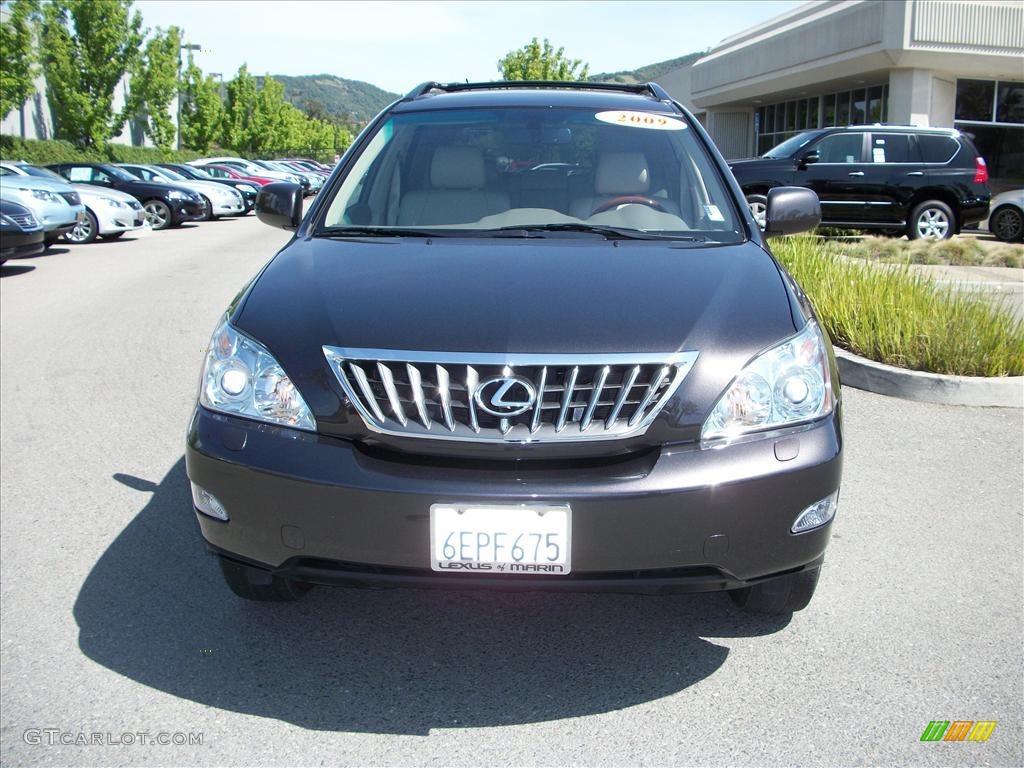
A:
x: 787, y: 384
x: 42, y: 194
x: 114, y: 203
x: 241, y: 377
x: 176, y: 194
x: 247, y: 189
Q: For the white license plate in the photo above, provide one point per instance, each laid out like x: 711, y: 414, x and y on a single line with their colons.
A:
x: 501, y: 538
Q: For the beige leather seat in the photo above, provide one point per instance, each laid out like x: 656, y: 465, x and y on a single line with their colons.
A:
x: 457, y: 192
x: 619, y: 174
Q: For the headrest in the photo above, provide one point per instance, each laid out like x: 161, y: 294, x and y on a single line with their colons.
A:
x: 457, y: 168
x: 622, y: 173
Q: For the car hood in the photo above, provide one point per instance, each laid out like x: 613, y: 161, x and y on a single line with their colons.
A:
x: 35, y: 182
x: 206, y: 187
x: 92, y: 192
x: 541, y: 296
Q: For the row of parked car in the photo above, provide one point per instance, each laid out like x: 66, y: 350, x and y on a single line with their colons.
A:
x: 82, y: 202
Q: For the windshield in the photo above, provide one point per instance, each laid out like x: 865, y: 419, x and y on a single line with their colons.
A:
x: 789, y: 146
x: 564, y: 169
x: 42, y: 173
x: 119, y: 173
x: 169, y: 174
x: 198, y: 173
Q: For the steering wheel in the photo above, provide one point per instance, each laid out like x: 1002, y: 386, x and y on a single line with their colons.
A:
x: 615, y: 202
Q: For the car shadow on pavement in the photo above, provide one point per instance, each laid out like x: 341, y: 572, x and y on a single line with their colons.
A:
x: 9, y: 270
x: 154, y: 609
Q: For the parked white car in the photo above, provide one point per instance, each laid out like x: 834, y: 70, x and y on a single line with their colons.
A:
x: 221, y: 200
x: 1006, y: 220
x: 108, y: 212
x: 250, y: 167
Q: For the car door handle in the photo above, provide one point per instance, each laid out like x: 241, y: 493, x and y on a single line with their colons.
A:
x: 916, y: 173
x: 855, y: 173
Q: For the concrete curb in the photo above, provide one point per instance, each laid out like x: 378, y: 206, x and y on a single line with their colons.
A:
x: 861, y: 373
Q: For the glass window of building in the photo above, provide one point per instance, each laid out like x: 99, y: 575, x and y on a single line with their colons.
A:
x: 991, y: 112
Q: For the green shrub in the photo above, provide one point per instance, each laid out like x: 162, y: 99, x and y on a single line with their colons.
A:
x: 54, y: 151
x: 897, y: 317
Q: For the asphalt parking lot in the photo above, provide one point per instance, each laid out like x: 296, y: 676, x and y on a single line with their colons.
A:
x: 114, y: 621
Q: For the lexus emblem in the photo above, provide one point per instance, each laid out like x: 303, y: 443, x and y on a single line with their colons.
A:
x: 505, y: 396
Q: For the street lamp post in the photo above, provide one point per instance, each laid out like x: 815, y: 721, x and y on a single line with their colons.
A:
x: 190, y: 47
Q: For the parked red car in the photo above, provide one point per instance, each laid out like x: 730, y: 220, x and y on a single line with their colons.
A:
x: 226, y: 172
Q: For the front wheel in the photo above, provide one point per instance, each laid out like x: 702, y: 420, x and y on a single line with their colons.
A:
x: 1007, y: 224
x: 85, y: 230
x: 256, y: 584
x: 208, y: 216
x: 783, y: 594
x: 932, y: 220
x: 158, y: 213
x: 759, y: 207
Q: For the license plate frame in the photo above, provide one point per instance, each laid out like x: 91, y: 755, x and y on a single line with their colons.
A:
x: 519, y: 523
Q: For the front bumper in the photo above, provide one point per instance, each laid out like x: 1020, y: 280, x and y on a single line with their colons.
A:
x: 16, y: 244
x: 228, y: 208
x: 325, y: 510
x: 187, y: 210
x: 113, y: 220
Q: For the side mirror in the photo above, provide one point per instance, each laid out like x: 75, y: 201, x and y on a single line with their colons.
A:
x: 809, y: 158
x: 279, y: 204
x: 791, y: 210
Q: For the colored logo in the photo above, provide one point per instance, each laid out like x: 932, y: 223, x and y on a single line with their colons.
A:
x: 958, y: 730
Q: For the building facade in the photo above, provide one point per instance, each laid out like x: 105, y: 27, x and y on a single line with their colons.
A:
x: 950, y: 63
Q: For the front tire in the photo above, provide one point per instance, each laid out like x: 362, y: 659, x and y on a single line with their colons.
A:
x: 85, y: 231
x: 208, y: 216
x: 159, y: 214
x: 783, y: 594
x: 1007, y: 224
x: 932, y: 220
x: 256, y: 584
x: 759, y: 207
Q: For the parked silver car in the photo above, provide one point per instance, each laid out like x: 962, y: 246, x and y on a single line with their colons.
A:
x: 1007, y: 218
x: 55, y: 204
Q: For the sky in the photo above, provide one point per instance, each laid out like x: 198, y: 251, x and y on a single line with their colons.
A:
x: 396, y: 45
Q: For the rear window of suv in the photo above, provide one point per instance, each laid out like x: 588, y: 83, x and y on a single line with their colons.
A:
x: 463, y: 170
x: 936, y: 148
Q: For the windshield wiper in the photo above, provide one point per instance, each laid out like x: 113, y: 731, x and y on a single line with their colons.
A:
x: 609, y: 233
x: 361, y: 231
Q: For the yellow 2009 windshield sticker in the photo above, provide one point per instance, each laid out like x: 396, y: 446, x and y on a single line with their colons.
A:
x: 641, y: 120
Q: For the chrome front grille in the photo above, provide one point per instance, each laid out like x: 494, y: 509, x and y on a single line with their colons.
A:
x: 465, y: 396
x: 24, y: 220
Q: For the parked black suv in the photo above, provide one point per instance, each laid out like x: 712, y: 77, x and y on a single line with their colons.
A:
x: 921, y: 182
x: 590, y: 374
x: 166, y: 205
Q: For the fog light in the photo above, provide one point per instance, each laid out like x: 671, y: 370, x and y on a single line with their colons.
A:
x: 207, y: 503
x: 816, y: 515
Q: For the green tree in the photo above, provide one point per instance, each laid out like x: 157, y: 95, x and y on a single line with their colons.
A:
x: 87, y: 47
x: 239, y: 109
x: 17, y: 59
x: 154, y: 85
x: 202, y: 111
x: 536, y: 61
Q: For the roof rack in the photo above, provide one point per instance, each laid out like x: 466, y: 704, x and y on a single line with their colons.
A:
x: 652, y: 89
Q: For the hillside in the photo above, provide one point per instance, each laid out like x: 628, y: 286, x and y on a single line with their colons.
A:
x: 646, y: 74
x: 356, y: 100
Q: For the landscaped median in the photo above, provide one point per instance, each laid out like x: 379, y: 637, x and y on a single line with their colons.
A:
x: 972, y: 346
